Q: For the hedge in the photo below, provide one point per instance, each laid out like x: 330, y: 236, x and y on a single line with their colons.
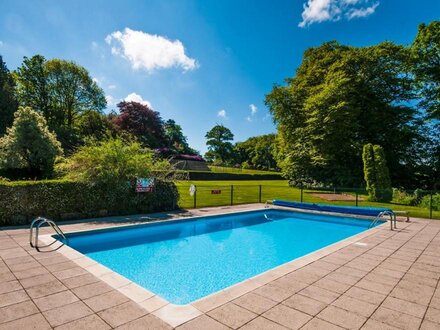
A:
x: 22, y: 201
x: 195, y: 175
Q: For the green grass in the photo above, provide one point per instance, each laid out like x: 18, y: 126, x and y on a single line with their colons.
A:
x: 249, y: 191
x: 222, y: 169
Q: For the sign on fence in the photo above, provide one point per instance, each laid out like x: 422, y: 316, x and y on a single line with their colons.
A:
x: 144, y: 185
x: 192, y: 190
x: 216, y: 192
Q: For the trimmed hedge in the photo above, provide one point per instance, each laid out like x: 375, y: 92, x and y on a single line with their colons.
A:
x: 22, y: 201
x: 194, y: 175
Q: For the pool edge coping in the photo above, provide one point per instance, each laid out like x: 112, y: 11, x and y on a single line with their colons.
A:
x: 176, y: 315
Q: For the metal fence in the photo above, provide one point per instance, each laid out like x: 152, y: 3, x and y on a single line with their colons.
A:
x: 419, y: 203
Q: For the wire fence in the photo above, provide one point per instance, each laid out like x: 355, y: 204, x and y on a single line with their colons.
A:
x: 419, y: 203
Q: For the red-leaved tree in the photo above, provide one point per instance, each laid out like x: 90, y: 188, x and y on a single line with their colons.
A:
x: 142, y: 122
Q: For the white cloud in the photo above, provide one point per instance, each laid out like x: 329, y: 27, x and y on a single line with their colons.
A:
x: 149, y: 52
x: 253, y: 108
x: 362, y: 12
x: 249, y: 118
x: 316, y: 11
x: 111, y: 86
x: 221, y: 114
x: 1, y: 43
x: 111, y: 101
x: 133, y: 97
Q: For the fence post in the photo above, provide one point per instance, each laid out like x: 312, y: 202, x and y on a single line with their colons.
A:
x: 357, y: 198
x: 430, y: 205
x: 301, y: 193
x: 232, y: 194
x: 195, y: 196
x: 259, y: 195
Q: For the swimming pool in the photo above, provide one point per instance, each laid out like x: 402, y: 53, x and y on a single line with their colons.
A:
x: 185, y: 260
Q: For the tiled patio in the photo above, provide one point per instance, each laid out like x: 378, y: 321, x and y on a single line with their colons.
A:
x: 387, y: 280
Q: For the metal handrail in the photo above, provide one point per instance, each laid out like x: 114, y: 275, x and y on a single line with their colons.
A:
x: 37, y: 223
x: 392, y: 216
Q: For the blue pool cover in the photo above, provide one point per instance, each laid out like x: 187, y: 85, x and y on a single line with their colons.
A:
x: 367, y: 211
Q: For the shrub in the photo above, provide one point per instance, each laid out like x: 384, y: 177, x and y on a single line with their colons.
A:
x: 402, y: 197
x: 426, y: 202
x: 29, y: 144
x: 376, y: 174
x: 112, y: 162
x: 21, y: 201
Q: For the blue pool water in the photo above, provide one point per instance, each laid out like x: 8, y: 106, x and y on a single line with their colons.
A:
x: 183, y: 261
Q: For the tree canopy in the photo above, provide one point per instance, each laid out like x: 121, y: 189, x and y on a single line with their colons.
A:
x: 257, y: 152
x: 61, y: 90
x: 340, y: 99
x: 8, y: 101
x: 219, y: 145
x: 142, y: 122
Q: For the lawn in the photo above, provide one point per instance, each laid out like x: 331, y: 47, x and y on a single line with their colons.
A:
x: 217, y: 193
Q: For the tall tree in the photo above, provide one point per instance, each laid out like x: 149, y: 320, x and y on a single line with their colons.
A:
x: 376, y: 174
x: 257, y: 152
x: 142, y: 122
x: 8, y: 101
x: 61, y: 90
x: 340, y: 99
x: 425, y: 52
x: 175, y: 138
x: 219, y: 145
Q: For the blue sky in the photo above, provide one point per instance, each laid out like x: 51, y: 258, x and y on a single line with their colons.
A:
x: 200, y: 62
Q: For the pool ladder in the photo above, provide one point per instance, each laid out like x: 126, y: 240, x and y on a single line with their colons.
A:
x: 392, y: 216
x: 37, y: 223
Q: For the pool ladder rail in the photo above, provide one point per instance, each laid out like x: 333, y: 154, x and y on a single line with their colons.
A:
x: 382, y: 214
x: 37, y: 223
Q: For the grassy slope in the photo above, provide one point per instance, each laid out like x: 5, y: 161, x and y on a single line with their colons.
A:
x: 248, y: 192
x: 221, y: 169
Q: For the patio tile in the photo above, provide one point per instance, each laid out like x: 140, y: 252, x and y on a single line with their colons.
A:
x: 91, y: 290
x: 135, y: 292
x: 31, y: 272
x: 375, y: 286
x: 16, y: 311
x: 331, y: 285
x: 433, y: 315
x: 376, y: 325
x: 37, y: 280
x: 24, y: 266
x: 232, y: 315
x: 342, y: 278
x: 404, y: 306
x: 201, y: 323
x: 9, y: 286
x: 61, y: 266
x: 7, y: 276
x: 342, y: 317
x: 71, y: 272
x: 89, y: 322
x: 356, y: 306
x: 34, y: 322
x: 121, y: 314
x: 45, y: 289
x: 428, y: 325
x: 286, y: 316
x: 305, y: 304
x: 55, y: 300
x: 317, y: 324
x: 74, y: 282
x: 396, y: 319
x: 255, y: 303
x: 365, y: 295
x: 273, y: 292
x: 67, y: 313
x: 13, y: 297
x: 176, y: 315
x: 148, y: 322
x: 420, y: 280
x: 421, y: 298
x: 320, y: 294
x: 154, y: 303
x: 261, y: 323
x: 105, y: 301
